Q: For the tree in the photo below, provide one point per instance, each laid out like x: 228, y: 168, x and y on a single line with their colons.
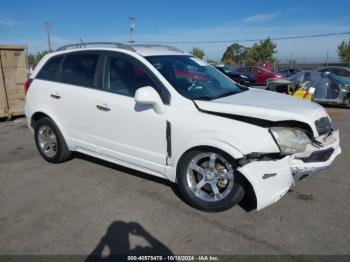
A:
x: 344, y: 52
x: 234, y: 54
x: 197, y: 52
x: 211, y: 61
x: 228, y: 62
x: 262, y: 51
x: 34, y: 59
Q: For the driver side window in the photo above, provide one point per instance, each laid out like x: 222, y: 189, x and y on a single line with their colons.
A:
x: 124, y: 77
x: 259, y: 71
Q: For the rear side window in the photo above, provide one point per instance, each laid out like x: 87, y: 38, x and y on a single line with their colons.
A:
x: 49, y: 70
x: 79, y: 69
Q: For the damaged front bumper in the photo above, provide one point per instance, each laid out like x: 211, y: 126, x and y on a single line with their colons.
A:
x: 272, y: 179
x: 316, y: 157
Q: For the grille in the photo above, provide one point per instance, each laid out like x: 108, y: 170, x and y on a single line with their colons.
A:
x: 323, y: 126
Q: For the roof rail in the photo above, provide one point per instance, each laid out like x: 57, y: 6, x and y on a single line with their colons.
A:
x: 116, y: 44
x: 82, y: 44
x: 169, y: 47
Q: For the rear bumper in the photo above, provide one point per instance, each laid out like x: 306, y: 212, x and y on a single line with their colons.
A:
x: 272, y: 179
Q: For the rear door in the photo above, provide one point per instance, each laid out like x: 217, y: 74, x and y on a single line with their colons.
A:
x: 74, y: 97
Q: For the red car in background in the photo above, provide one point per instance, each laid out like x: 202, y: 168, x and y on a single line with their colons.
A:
x: 261, y: 74
x: 197, y: 76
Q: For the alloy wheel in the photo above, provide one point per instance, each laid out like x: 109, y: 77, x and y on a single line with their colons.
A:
x: 210, y: 176
x: 47, y: 141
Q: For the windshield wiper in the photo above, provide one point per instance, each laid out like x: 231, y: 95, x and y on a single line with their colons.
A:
x: 205, y: 98
x: 230, y: 93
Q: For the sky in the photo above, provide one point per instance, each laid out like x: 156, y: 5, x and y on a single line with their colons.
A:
x: 181, y: 20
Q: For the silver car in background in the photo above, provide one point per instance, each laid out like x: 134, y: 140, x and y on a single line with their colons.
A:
x: 329, y: 88
x: 338, y: 70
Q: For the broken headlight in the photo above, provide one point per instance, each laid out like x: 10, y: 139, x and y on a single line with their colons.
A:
x: 290, y: 140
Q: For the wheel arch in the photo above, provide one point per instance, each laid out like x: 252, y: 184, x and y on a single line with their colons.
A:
x: 43, y: 112
x: 203, y: 143
x: 37, y: 116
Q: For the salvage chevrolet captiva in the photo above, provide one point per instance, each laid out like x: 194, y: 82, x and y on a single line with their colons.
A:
x: 158, y: 110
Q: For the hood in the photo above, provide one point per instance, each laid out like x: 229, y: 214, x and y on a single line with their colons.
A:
x: 266, y: 105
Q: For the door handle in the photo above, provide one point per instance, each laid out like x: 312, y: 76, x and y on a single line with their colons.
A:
x: 104, y: 108
x: 55, y: 96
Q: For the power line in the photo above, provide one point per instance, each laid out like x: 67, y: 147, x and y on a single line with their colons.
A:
x: 244, y: 40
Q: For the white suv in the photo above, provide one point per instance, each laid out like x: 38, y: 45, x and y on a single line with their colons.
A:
x: 169, y: 114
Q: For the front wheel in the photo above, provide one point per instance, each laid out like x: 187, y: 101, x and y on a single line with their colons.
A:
x: 208, y: 180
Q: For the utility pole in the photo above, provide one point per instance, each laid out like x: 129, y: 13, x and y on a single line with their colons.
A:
x: 48, y: 26
x: 132, y: 22
x: 327, y: 59
x: 291, y: 61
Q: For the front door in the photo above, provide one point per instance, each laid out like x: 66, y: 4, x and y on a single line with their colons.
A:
x: 128, y: 131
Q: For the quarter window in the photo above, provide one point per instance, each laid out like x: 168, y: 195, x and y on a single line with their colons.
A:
x: 49, y: 70
x: 125, y: 77
x: 79, y: 69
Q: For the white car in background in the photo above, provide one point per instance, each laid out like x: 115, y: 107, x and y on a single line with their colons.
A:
x: 161, y: 111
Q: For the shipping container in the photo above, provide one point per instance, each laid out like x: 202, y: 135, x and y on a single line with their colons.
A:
x: 13, y: 75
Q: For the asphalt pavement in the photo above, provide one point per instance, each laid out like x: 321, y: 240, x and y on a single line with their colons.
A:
x: 87, y: 206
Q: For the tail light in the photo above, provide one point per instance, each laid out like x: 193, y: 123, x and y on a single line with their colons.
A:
x: 27, y: 85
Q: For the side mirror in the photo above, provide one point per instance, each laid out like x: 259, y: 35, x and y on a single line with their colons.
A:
x: 148, y: 96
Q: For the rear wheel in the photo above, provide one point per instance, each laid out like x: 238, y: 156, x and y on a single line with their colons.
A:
x: 208, y: 180
x: 50, y: 142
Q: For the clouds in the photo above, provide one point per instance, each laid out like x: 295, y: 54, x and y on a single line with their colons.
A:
x: 262, y: 17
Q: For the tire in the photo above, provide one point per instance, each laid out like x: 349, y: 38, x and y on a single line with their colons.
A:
x: 50, y: 142
x: 197, y: 189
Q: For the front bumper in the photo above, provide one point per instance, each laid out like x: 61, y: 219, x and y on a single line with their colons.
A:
x: 316, y: 158
x: 272, y: 179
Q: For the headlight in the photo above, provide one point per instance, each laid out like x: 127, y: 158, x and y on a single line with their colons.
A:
x: 290, y: 140
x: 243, y: 76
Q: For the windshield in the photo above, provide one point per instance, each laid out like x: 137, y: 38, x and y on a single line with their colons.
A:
x: 193, y: 78
x: 338, y: 79
x: 264, y: 70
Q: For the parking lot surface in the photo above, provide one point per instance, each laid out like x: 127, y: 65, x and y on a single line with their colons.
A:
x: 86, y: 206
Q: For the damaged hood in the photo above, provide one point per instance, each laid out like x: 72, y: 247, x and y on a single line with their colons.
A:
x: 266, y: 105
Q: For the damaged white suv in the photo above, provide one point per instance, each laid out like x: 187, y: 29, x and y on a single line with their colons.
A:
x: 169, y: 114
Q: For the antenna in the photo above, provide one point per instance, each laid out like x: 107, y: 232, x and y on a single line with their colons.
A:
x: 82, y: 43
x: 132, y: 22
